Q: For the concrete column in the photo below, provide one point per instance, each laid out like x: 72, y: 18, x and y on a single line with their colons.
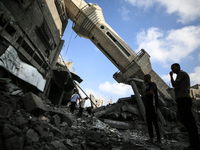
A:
x: 139, y: 99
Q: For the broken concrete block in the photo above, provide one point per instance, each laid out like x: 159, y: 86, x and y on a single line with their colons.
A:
x: 100, y: 113
x: 124, y: 116
x: 131, y: 108
x: 42, y: 132
x: 68, y: 143
x: 58, y: 145
x: 63, y: 117
x: 33, y: 103
x: 55, y: 120
x: 49, y: 137
x: 108, y: 110
x: 32, y: 135
x: 10, y: 130
x: 54, y: 129
x: 118, y: 124
x: 5, y: 112
x: 6, y: 109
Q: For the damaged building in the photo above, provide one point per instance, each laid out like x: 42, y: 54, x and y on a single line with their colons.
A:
x: 30, y: 47
x: 36, y: 84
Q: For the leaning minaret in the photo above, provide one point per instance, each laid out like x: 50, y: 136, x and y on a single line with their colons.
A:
x: 89, y: 23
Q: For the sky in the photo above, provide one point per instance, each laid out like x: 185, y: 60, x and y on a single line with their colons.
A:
x: 168, y: 30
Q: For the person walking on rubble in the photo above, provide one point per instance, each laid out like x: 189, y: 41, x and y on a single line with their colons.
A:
x: 81, y: 106
x: 184, y: 103
x: 74, y: 100
x: 151, y: 106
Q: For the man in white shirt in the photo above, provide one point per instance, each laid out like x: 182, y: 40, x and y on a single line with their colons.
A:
x: 81, y: 106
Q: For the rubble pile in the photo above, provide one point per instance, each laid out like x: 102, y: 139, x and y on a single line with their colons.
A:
x: 125, y: 114
x: 28, y: 122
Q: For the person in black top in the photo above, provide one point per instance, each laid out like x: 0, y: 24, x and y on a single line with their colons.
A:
x: 151, y: 105
x: 184, y: 103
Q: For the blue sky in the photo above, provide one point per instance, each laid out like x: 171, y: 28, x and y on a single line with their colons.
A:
x: 168, y: 30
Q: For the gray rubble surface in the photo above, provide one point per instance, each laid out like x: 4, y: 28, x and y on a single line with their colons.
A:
x: 48, y: 128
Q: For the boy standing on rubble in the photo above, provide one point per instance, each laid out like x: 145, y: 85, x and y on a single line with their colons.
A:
x: 81, y: 106
x: 151, y: 105
x: 184, y: 103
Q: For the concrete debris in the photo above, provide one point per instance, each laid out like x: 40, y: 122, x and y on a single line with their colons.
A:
x: 125, y: 114
x: 33, y: 102
x: 130, y: 109
x: 61, y: 117
x: 11, y: 62
x: 5, y: 112
x: 36, y: 88
x: 118, y: 124
x: 30, y: 123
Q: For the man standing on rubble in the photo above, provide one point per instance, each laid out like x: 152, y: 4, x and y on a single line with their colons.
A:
x: 75, y: 98
x: 151, y: 106
x: 184, y: 103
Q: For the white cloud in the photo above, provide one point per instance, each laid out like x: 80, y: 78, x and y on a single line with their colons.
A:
x: 141, y: 3
x: 171, y: 46
x: 96, y: 94
x: 124, y: 13
x: 187, y: 10
x: 116, y: 88
x: 195, y: 77
x: 108, y: 91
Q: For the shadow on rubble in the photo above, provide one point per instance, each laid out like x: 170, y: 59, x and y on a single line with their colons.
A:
x: 29, y: 122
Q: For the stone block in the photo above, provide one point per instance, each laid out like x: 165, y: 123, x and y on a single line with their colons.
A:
x: 33, y: 103
x: 108, y: 110
x: 63, y: 117
x: 5, y: 112
x: 131, y: 109
x: 55, y: 120
x: 118, y: 124
x: 32, y: 135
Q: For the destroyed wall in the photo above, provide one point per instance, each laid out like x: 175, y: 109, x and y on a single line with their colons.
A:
x: 37, y: 43
x: 37, y: 39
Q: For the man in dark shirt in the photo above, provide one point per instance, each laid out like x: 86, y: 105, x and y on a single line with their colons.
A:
x: 151, y: 105
x: 184, y: 103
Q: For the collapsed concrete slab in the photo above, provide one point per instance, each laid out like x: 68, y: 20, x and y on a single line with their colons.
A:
x: 33, y: 103
x: 108, y: 109
x: 11, y: 62
x: 118, y: 124
x: 131, y: 109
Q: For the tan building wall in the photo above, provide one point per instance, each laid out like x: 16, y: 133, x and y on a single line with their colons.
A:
x: 96, y: 101
x: 99, y: 102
